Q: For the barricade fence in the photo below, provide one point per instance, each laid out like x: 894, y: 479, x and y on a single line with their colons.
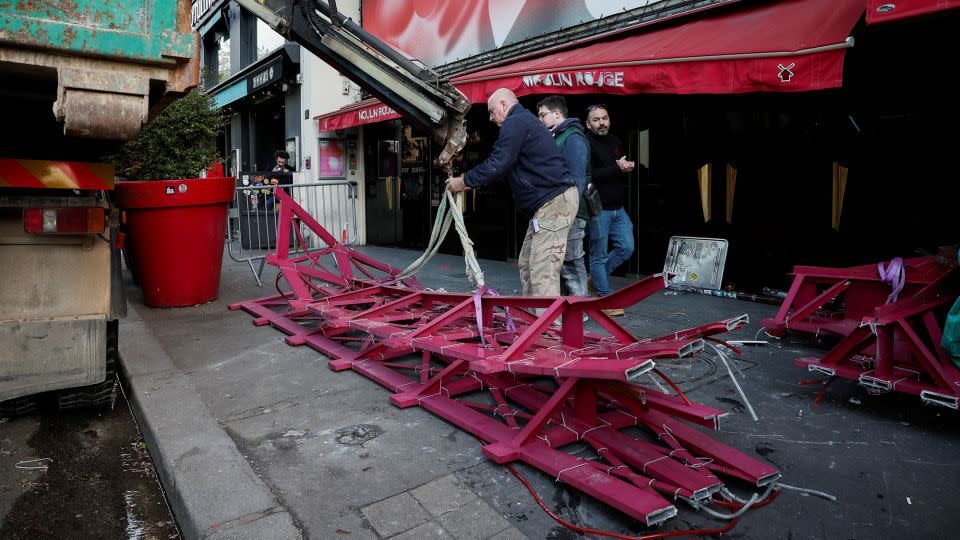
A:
x: 252, y: 220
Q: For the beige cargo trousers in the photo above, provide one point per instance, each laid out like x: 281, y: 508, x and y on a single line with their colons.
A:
x: 545, y: 244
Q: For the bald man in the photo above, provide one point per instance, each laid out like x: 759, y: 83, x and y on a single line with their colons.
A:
x: 542, y: 188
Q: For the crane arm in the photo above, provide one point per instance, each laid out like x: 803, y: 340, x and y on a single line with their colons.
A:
x: 414, y: 91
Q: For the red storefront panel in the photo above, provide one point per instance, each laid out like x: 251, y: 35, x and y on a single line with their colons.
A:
x: 786, y: 46
x: 892, y: 10
x: 437, y: 32
x: 789, y: 46
x: 365, y: 112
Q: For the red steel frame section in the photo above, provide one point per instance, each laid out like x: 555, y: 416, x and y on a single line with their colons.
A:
x: 885, y: 346
x: 897, y: 348
x: 813, y: 302
x: 527, y: 385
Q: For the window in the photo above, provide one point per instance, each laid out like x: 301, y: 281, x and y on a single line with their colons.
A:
x: 332, y: 158
x: 222, y: 47
x: 216, y: 57
x: 290, y: 145
x: 267, y: 40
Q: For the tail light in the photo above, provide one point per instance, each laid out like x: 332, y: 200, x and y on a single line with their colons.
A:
x: 69, y: 220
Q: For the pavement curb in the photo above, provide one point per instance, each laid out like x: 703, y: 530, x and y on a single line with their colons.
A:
x: 212, y: 489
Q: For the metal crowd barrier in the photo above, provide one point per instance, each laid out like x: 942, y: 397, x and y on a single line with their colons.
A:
x: 252, y: 220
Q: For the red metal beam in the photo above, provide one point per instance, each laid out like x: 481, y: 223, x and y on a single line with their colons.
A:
x: 525, y: 384
x: 882, y: 349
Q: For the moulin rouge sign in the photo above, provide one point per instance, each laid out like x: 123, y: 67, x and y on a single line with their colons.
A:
x: 371, y: 114
x: 345, y: 119
x: 573, y: 79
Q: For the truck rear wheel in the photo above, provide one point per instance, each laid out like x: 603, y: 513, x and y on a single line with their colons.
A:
x: 18, y: 406
x: 95, y: 395
x: 101, y: 394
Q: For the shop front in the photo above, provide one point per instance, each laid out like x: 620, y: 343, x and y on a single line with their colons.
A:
x: 253, y: 75
x: 756, y: 123
x: 403, y: 181
x: 262, y: 101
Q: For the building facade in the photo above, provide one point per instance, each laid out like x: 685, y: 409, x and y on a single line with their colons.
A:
x: 799, y: 131
x: 796, y: 130
x: 269, y: 87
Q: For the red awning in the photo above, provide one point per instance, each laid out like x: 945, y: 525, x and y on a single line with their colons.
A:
x: 787, y: 46
x: 365, y: 112
x: 892, y: 10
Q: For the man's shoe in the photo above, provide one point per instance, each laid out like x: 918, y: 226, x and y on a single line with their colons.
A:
x: 614, y: 312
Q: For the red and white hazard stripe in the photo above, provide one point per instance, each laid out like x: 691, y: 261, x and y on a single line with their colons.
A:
x: 33, y: 173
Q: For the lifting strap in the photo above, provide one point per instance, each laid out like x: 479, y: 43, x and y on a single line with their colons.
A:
x: 448, y: 212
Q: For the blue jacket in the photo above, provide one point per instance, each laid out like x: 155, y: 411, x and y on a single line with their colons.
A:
x: 575, y: 150
x: 527, y: 156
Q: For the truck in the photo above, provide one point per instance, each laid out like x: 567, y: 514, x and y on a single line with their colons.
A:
x: 104, y: 69
x: 76, y: 80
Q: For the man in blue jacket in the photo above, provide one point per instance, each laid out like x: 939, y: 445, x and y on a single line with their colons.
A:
x: 573, y: 144
x: 542, y: 188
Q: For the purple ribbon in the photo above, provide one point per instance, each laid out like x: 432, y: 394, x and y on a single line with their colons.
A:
x: 895, y: 275
x: 476, y: 304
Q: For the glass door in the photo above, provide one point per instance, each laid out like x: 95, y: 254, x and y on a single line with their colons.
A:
x: 382, y: 158
x: 413, y: 198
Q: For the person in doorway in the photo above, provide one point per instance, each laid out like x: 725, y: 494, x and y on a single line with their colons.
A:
x: 542, y: 188
x: 283, y: 165
x: 569, y: 135
x: 612, y: 226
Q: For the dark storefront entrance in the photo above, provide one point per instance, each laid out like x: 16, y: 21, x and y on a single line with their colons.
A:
x: 826, y: 155
x: 268, y: 132
x: 489, y: 212
x: 262, y: 100
x: 397, y: 200
x: 404, y: 184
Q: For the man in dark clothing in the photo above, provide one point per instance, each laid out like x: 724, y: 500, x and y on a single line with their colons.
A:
x: 612, y: 226
x: 283, y: 167
x: 283, y: 164
x: 542, y: 188
x: 569, y: 136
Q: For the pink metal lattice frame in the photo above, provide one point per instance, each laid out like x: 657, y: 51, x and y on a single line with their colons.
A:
x: 886, y: 347
x: 527, y: 385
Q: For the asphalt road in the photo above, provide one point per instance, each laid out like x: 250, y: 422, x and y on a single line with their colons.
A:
x: 79, y: 474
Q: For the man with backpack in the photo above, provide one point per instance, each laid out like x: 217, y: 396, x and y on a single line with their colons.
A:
x: 569, y: 135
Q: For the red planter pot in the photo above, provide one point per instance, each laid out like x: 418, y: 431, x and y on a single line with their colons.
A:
x: 175, y: 231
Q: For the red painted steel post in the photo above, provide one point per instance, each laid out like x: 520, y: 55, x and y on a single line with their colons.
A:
x: 884, y: 356
x: 585, y: 402
x: 504, y: 452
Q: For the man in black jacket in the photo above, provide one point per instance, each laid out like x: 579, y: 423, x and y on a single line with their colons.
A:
x: 612, y: 226
x: 542, y: 188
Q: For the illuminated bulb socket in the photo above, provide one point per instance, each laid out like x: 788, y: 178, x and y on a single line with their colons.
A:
x: 49, y: 220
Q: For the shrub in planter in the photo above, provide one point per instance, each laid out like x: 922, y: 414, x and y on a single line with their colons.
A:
x: 175, y: 222
x: 177, y: 143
